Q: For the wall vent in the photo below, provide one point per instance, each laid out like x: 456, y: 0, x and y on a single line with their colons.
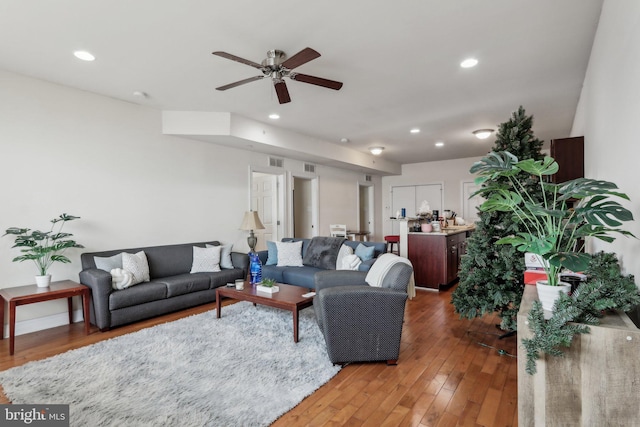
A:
x: 367, y: 178
x: 311, y: 168
x: 276, y: 162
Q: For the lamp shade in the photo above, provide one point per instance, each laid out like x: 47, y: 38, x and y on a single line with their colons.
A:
x: 251, y: 221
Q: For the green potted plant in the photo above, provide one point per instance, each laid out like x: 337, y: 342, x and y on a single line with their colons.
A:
x: 268, y: 285
x: 556, y: 226
x: 44, y: 247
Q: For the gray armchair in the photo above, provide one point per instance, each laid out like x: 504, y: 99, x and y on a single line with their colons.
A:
x: 361, y: 323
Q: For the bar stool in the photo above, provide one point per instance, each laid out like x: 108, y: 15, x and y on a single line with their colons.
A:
x: 393, y: 240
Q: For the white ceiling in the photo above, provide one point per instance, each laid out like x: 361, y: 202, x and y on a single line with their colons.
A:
x: 399, y: 61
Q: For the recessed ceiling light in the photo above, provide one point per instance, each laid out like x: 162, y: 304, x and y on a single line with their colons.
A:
x: 469, y: 63
x: 344, y: 140
x: 140, y: 94
x: 274, y: 116
x: 439, y: 144
x: 415, y: 130
x: 84, y: 55
x: 483, y: 133
x: 376, y: 150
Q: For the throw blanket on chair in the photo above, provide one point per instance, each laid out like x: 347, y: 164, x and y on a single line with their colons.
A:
x: 381, y: 267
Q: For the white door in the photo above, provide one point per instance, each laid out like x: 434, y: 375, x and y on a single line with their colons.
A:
x: 470, y: 204
x: 264, y: 200
x: 432, y: 193
x: 402, y: 197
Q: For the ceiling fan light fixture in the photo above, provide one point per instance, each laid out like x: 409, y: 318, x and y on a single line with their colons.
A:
x: 376, y: 151
x: 483, y: 133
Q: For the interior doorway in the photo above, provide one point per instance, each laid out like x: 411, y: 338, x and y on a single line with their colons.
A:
x: 305, y: 207
x: 366, y: 210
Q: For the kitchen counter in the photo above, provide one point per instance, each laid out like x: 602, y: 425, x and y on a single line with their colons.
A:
x: 436, y: 256
x: 453, y: 229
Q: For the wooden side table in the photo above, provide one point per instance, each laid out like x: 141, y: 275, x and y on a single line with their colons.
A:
x: 30, y: 294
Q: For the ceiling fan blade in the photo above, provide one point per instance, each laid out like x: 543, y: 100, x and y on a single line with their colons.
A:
x: 237, y: 59
x: 282, y: 91
x: 319, y: 81
x: 302, y: 57
x: 241, y: 82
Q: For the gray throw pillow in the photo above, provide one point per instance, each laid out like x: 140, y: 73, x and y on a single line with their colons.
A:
x: 225, y: 255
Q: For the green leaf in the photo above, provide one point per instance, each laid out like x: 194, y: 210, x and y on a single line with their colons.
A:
x: 502, y: 201
x: 574, y: 261
x: 547, y: 166
x: 581, y: 188
x: 601, y: 211
x: 60, y: 258
x: 495, y: 164
x: 16, y: 231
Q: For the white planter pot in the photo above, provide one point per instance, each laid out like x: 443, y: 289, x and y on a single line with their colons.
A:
x: 43, y: 281
x: 549, y: 294
x: 267, y: 289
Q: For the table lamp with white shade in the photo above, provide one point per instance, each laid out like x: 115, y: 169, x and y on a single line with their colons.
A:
x: 250, y: 222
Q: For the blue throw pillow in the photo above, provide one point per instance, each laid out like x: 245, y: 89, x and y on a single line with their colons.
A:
x: 272, y: 253
x: 108, y: 263
x: 365, y: 253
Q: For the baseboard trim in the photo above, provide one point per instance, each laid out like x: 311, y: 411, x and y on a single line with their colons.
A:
x: 42, y: 323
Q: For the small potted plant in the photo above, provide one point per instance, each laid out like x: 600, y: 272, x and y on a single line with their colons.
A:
x: 44, y: 247
x: 268, y: 285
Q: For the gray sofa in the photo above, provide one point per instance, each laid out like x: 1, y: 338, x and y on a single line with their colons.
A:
x: 172, y: 286
x: 304, y: 276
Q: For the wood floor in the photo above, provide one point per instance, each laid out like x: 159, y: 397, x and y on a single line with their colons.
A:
x: 451, y: 372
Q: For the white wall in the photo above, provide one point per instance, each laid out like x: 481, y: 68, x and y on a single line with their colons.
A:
x: 451, y: 173
x: 107, y: 161
x: 608, y: 112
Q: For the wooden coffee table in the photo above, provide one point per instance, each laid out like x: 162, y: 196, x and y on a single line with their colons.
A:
x: 288, y: 298
x: 30, y: 294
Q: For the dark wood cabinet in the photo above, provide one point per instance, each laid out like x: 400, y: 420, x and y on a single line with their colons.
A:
x: 569, y: 153
x: 436, y: 258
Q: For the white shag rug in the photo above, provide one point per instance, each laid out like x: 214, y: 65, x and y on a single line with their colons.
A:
x: 240, y: 370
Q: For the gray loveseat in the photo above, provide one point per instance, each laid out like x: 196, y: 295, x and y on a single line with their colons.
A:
x: 304, y: 276
x: 172, y: 286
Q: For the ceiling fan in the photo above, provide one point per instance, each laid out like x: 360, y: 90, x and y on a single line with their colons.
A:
x: 276, y: 66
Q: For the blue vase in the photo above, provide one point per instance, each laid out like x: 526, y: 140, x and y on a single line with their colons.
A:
x: 255, y: 268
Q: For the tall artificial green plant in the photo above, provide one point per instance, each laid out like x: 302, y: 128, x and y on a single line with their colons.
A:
x: 491, y: 276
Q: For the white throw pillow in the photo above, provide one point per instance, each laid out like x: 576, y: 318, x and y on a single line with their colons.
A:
x: 342, y: 253
x: 121, y: 279
x: 289, y: 254
x: 225, y: 255
x: 206, y: 260
x: 351, y: 262
x: 137, y: 265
